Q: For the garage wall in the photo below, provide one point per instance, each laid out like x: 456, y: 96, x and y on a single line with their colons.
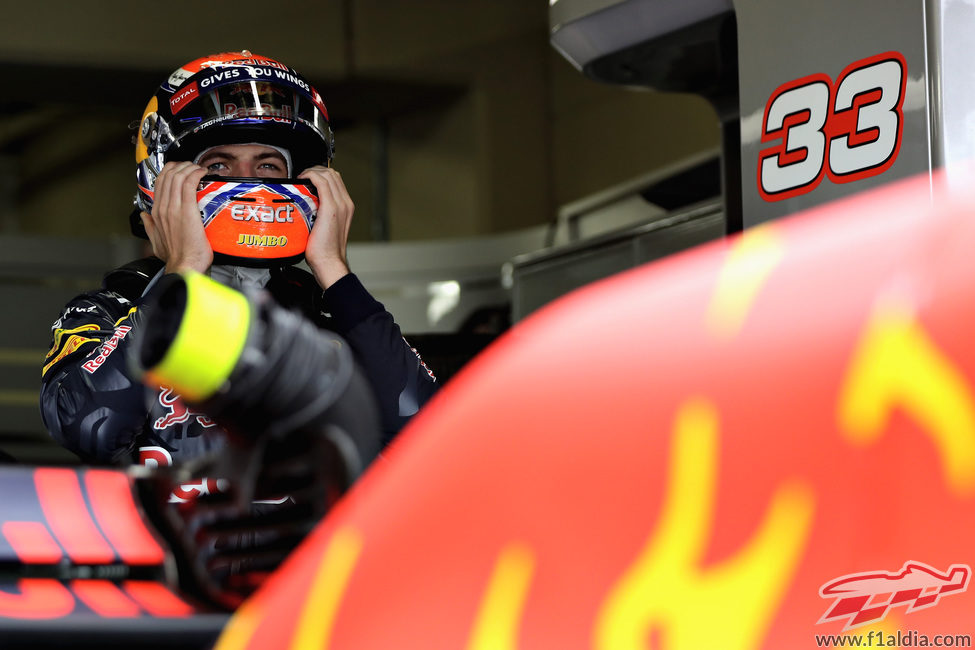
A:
x: 520, y: 133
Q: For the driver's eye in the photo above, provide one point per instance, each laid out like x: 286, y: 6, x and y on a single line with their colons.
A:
x: 216, y: 167
x: 270, y: 170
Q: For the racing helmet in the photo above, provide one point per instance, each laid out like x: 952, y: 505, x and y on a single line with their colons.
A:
x: 233, y: 98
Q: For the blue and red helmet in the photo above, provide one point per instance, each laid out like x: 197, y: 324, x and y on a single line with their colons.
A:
x: 230, y: 98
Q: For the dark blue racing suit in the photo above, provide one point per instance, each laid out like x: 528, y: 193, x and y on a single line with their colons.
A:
x: 92, y: 406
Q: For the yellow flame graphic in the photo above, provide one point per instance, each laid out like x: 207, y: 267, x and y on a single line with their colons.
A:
x: 750, y: 262
x: 314, y: 626
x: 897, y: 366
x: 497, y: 623
x: 325, y: 595
x: 728, y: 605
x: 241, y: 627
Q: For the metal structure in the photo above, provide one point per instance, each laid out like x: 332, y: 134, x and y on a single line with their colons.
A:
x: 818, y: 100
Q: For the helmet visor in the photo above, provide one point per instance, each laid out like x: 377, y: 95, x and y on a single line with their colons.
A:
x: 254, y: 102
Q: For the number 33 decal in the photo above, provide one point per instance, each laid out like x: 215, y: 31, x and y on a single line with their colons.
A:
x: 848, y: 131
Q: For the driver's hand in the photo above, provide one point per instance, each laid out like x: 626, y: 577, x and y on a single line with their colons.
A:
x: 175, y: 227
x: 326, y: 249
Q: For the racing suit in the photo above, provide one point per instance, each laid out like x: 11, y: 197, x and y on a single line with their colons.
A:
x: 90, y: 404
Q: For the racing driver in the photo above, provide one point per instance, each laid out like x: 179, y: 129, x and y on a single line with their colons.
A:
x: 243, y: 117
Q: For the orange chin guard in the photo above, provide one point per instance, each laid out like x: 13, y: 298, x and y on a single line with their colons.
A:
x: 257, y: 221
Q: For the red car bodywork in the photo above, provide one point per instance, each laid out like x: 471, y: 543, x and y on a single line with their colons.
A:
x: 680, y: 456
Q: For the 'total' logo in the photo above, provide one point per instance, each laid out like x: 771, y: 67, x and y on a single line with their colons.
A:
x: 863, y: 598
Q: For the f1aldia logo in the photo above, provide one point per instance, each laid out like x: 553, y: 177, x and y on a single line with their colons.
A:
x: 847, y: 131
x: 863, y: 598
